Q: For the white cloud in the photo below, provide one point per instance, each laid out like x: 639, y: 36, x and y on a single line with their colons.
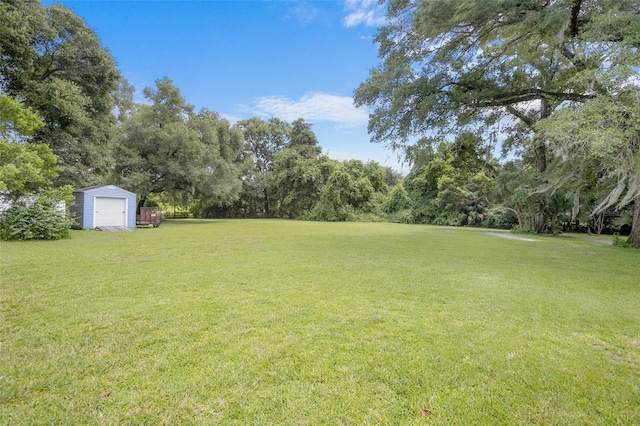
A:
x: 314, y: 106
x: 303, y: 12
x: 367, y: 12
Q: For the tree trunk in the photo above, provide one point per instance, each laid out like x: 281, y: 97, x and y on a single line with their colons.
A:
x: 540, y: 217
x: 541, y: 157
x: 634, y: 237
x: 140, y: 204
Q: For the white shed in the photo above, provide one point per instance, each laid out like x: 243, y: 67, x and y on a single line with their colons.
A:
x: 104, y: 206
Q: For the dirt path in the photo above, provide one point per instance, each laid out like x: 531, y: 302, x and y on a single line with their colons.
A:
x: 511, y: 236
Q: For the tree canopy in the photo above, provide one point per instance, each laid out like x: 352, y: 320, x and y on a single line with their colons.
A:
x: 598, y: 144
x: 453, y: 66
x: 554, y: 83
x: 166, y: 147
x: 502, y: 68
x: 24, y: 168
x: 55, y: 64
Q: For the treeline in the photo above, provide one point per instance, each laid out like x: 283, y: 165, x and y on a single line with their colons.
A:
x: 68, y: 119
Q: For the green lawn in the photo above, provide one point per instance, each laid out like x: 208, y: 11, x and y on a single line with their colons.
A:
x: 283, y: 322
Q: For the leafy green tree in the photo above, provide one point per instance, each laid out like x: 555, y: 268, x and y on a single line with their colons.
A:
x: 50, y: 59
x: 24, y: 168
x: 299, y: 172
x: 167, y: 148
x: 264, y: 139
x: 16, y: 120
x: 422, y: 183
x: 398, y: 205
x: 453, y: 185
x: 521, y: 191
x: 352, y: 189
x: 158, y: 151
x: 35, y: 210
x: 223, y: 162
x: 336, y: 198
x: 601, y: 139
x: 453, y: 66
x: 448, y: 65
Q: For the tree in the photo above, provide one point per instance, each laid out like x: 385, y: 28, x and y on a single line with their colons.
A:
x: 167, y: 148
x: 454, y: 66
x: 601, y: 138
x: 222, y: 164
x: 53, y: 62
x: 16, y: 120
x: 353, y: 188
x: 452, y: 185
x: 158, y: 151
x: 521, y: 191
x: 264, y: 140
x: 24, y: 168
x: 26, y: 173
x: 299, y: 172
x: 398, y: 204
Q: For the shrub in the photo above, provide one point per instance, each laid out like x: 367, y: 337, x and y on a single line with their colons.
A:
x: 500, y: 219
x: 402, y: 216
x: 35, y: 219
x: 620, y: 242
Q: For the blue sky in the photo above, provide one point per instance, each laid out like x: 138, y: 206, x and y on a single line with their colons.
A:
x: 242, y: 59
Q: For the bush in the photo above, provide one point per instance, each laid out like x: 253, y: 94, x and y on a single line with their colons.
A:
x: 621, y: 242
x: 34, y: 220
x: 402, y: 216
x: 500, y: 219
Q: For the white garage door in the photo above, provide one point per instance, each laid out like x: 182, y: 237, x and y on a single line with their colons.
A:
x: 110, y: 211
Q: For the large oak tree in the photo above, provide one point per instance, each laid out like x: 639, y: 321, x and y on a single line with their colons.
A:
x: 598, y: 143
x: 453, y: 66
x: 165, y: 147
x: 52, y: 62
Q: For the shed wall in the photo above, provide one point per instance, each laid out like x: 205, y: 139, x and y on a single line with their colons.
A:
x: 88, y: 204
x: 77, y: 209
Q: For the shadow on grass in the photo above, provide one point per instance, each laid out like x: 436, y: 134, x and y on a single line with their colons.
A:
x: 188, y: 221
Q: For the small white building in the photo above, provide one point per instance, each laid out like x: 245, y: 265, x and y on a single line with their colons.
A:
x: 6, y: 203
x: 104, y: 206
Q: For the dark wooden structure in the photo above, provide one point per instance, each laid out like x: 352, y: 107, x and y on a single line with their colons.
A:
x: 148, y: 216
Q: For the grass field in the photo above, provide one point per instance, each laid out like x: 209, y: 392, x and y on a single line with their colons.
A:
x: 283, y: 322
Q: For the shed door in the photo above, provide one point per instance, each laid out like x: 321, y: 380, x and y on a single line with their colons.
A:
x: 110, y: 211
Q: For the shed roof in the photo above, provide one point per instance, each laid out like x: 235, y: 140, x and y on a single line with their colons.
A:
x: 95, y: 187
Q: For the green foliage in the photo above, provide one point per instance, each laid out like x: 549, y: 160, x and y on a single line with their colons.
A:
x: 263, y: 139
x: 522, y: 191
x: 453, y: 185
x: 398, y: 199
x: 16, y: 121
x: 452, y: 65
x: 598, y: 148
x: 500, y: 219
x: 354, y: 191
x: 166, y: 148
x: 401, y: 216
x: 52, y: 60
x: 24, y: 168
x: 619, y: 242
x: 39, y: 217
x: 223, y: 161
x: 299, y: 172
